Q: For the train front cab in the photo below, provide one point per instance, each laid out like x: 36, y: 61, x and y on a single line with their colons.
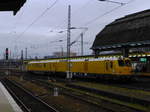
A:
x: 124, y: 67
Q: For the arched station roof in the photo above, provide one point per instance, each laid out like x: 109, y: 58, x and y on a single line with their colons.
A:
x: 130, y: 31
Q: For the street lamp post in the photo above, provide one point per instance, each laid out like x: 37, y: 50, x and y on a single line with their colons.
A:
x: 68, y: 43
x: 26, y: 53
x: 82, y: 48
x: 71, y: 28
x: 81, y: 44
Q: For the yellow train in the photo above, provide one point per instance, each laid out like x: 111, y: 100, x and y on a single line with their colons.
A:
x: 88, y: 66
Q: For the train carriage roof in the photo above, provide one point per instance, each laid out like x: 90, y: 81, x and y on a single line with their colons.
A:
x: 142, y: 54
x: 131, y: 30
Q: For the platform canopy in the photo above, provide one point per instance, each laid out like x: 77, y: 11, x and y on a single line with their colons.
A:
x: 130, y: 31
x: 11, y: 5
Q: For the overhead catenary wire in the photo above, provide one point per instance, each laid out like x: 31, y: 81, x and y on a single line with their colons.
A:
x: 79, y: 9
x: 106, y: 13
x: 45, y: 44
x: 115, y: 2
x: 88, y: 23
x: 50, y: 43
x: 77, y: 38
x: 13, y: 29
x: 41, y: 15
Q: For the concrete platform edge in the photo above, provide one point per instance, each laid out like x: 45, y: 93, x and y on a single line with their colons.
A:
x: 14, y: 105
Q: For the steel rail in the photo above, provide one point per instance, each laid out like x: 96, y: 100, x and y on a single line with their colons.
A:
x: 50, y: 108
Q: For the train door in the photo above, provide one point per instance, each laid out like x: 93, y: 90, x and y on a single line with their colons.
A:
x: 109, y: 67
x: 50, y: 67
x: 86, y: 66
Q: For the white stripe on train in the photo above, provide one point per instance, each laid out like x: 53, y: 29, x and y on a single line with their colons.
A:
x: 75, y: 60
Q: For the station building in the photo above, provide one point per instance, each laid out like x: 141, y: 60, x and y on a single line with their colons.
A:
x: 129, y: 35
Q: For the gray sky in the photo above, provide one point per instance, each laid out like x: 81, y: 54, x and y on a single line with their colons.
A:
x: 41, y: 38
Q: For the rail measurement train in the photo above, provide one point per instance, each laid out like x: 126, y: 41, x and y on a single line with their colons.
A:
x: 83, y: 66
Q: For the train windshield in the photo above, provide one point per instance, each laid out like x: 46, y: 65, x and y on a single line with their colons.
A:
x: 121, y: 63
x: 124, y: 62
x: 127, y: 62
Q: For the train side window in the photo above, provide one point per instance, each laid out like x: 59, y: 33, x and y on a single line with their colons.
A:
x: 44, y: 65
x: 121, y: 62
x: 111, y: 64
x: 106, y: 65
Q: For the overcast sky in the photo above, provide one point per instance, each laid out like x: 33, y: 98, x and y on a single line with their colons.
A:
x: 40, y: 34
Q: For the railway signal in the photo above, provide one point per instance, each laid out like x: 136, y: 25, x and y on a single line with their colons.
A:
x: 7, y: 54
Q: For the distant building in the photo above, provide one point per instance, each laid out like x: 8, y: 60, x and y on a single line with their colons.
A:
x: 47, y: 57
x: 59, y: 54
x: 63, y: 54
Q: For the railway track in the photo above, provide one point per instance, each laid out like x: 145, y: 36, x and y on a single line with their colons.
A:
x: 89, y: 99
x: 132, y: 86
x: 90, y: 106
x: 114, y: 107
x: 27, y: 101
x: 138, y: 84
x: 126, y: 98
x: 141, y: 83
x: 105, y: 104
x: 139, y: 101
